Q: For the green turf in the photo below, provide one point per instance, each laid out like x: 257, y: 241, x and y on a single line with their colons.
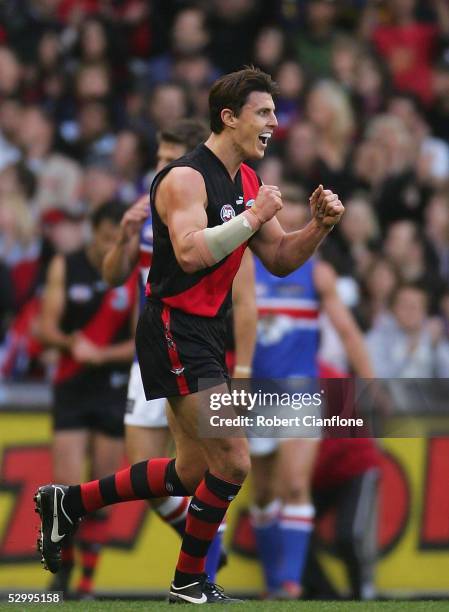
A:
x: 255, y: 606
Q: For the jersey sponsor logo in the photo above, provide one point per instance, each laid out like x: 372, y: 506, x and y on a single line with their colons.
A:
x: 80, y: 293
x: 239, y: 201
x: 249, y: 203
x: 227, y: 213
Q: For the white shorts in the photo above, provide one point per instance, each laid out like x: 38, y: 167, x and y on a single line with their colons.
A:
x: 139, y: 411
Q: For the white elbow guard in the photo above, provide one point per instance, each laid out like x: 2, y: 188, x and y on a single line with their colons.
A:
x: 214, y: 243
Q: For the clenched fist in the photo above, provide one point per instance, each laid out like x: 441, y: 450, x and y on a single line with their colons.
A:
x: 267, y: 203
x: 326, y: 208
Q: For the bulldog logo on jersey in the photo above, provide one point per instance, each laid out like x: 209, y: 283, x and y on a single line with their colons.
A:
x: 227, y: 213
x: 120, y: 299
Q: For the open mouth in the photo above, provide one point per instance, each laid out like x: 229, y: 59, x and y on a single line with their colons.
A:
x: 264, y: 138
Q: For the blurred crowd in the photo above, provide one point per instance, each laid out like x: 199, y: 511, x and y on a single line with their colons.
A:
x: 85, y: 86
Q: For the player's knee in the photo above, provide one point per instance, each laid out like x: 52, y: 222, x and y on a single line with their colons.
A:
x: 239, y: 469
x: 297, y: 492
x: 236, y: 465
x: 263, y: 496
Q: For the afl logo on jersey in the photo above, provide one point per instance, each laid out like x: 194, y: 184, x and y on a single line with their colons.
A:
x: 227, y: 213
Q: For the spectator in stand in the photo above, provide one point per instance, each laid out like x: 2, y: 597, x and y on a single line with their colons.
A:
x: 100, y: 41
x: 432, y: 163
x: 315, y: 39
x: 408, y: 45
x: 438, y: 115
x: 407, y: 249
x: 377, y: 288
x: 58, y: 177
x: 100, y: 182
x: 270, y: 48
x: 408, y: 347
x: 6, y: 301
x: 11, y: 73
x: 345, y: 53
x: 291, y: 81
x: 301, y: 155
x: 234, y: 26
x: 271, y: 170
x: 190, y: 37
x: 329, y: 110
x: 371, y: 86
x: 167, y: 104
x: 17, y: 179
x: 10, y: 119
x: 129, y: 160
x: 437, y: 230
x: 352, y: 249
x: 398, y: 194
x: 19, y: 244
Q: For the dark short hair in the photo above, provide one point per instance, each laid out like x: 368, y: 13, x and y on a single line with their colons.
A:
x: 416, y: 286
x: 232, y: 91
x: 111, y: 211
x: 186, y: 132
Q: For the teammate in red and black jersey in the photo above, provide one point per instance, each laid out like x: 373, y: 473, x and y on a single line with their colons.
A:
x: 91, y: 325
x: 201, y: 225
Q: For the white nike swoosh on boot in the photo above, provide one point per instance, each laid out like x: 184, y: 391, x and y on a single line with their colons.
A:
x: 55, y: 537
x: 195, y: 600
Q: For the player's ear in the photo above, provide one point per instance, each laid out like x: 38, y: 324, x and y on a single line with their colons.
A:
x: 228, y: 117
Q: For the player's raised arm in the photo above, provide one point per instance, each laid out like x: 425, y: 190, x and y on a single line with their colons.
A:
x: 181, y: 203
x: 282, y: 252
x: 120, y: 261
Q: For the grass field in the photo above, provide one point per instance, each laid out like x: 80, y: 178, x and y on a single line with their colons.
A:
x: 252, y: 606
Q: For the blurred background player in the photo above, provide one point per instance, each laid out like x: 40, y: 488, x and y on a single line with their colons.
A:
x: 287, y: 346
x: 146, y: 427
x: 346, y: 481
x: 91, y: 326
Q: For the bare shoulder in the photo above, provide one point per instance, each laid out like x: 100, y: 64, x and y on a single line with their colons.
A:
x: 184, y: 181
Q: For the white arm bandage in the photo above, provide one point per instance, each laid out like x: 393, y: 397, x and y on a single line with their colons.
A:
x: 214, y: 243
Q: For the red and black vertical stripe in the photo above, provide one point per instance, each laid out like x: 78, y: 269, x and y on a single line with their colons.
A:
x: 173, y: 354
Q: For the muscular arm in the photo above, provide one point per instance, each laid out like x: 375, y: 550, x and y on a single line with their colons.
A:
x: 53, y: 304
x: 181, y: 204
x: 120, y: 261
x: 245, y: 316
x: 342, y: 319
x: 281, y: 252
